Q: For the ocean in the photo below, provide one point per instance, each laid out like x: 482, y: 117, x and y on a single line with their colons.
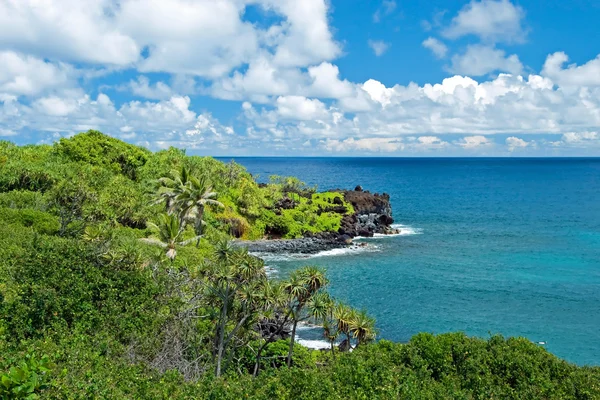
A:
x: 505, y: 246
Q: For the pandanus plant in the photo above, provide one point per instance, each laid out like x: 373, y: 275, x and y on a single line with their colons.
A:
x: 301, y: 287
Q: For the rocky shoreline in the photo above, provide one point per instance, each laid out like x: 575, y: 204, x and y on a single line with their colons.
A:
x: 372, y: 215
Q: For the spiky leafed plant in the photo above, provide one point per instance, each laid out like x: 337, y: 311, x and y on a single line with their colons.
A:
x: 362, y: 327
x: 314, y: 278
x: 301, y: 286
x: 320, y: 308
x: 274, y: 298
x: 168, y: 232
x: 236, y: 281
x: 343, y: 314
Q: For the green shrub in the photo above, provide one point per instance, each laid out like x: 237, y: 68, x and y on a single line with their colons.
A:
x: 39, y: 221
x: 95, y: 148
x: 26, y: 379
x: 24, y: 199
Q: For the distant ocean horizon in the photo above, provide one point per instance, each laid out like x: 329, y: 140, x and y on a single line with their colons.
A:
x: 489, y: 245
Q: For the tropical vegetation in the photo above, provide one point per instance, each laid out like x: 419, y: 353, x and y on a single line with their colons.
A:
x: 123, y: 275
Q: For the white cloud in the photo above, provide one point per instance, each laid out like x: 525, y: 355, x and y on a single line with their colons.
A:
x: 27, y: 75
x: 387, y: 7
x: 7, y: 132
x: 480, y: 60
x: 306, y: 38
x: 369, y: 145
x: 579, y: 137
x: 491, y: 20
x: 429, y: 143
x: 68, y: 30
x: 515, y: 143
x: 474, y: 142
x: 437, y: 47
x: 379, y: 47
x: 326, y: 82
x: 587, y: 74
x: 208, y: 128
x: 167, y: 114
x: 582, y: 140
x: 283, y: 70
x: 205, y: 37
x: 378, y: 92
x: 142, y: 88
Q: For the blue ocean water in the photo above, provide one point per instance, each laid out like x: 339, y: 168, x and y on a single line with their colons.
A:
x: 509, y: 246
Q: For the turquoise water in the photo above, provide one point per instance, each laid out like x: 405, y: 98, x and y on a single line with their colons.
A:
x: 508, y: 246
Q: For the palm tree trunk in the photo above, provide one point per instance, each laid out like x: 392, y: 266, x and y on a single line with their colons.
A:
x: 199, y: 217
x: 222, y: 324
x: 332, y: 349
x: 292, y: 340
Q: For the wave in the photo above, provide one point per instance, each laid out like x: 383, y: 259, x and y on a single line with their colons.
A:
x: 343, y: 251
x: 405, y: 230
x: 313, y: 344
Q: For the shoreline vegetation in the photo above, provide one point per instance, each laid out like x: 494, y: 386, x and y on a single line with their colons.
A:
x: 129, y: 274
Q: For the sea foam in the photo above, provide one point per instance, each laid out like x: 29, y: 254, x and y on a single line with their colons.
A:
x: 343, y: 251
x: 405, y: 230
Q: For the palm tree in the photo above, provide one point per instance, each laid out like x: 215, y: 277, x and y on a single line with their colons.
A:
x: 169, y: 232
x: 191, y: 202
x: 362, y: 327
x: 170, y: 188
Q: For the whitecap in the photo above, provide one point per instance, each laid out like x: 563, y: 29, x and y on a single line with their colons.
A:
x: 314, y: 344
x: 343, y: 251
x: 405, y: 230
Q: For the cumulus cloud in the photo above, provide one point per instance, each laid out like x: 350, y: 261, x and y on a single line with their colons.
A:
x: 474, y: 142
x: 28, y: 75
x: 480, y: 60
x: 369, y: 145
x: 205, y: 38
x: 587, y: 74
x: 300, y: 108
x: 293, y: 95
x: 583, y: 140
x: 491, y: 20
x: 515, y: 143
x: 379, y: 47
x: 437, y: 47
x: 143, y: 88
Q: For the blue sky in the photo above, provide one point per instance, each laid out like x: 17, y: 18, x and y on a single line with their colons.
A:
x: 306, y: 77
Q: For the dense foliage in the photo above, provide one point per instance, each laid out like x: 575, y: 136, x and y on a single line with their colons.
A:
x: 119, y: 279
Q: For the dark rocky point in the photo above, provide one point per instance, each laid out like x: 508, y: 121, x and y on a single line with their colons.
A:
x: 372, y: 214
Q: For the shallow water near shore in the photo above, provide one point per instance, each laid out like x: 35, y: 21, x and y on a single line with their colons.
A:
x: 509, y: 246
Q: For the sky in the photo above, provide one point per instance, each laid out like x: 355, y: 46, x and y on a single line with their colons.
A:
x: 306, y: 77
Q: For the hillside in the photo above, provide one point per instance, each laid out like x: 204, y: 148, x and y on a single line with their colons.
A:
x: 119, y: 279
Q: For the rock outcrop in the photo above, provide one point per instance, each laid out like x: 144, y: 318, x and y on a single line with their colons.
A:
x: 372, y: 214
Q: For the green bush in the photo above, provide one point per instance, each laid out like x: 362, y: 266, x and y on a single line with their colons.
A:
x: 95, y: 148
x: 39, y: 221
x: 24, y: 199
x: 26, y: 379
